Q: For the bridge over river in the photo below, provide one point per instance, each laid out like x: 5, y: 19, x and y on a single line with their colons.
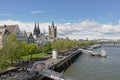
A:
x: 108, y: 42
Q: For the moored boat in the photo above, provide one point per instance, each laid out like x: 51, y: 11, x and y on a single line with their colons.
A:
x: 103, y: 53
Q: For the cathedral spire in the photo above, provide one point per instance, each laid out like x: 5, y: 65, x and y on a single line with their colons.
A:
x: 38, y: 25
x: 34, y: 32
x: 35, y: 25
x: 38, y: 29
x: 52, y: 23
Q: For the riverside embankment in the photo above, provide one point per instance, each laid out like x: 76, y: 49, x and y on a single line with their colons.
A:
x: 60, y: 64
x: 88, y: 67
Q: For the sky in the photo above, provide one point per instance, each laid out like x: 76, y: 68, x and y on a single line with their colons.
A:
x: 76, y: 19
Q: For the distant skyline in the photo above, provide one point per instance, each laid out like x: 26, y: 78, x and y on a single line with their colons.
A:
x: 81, y: 18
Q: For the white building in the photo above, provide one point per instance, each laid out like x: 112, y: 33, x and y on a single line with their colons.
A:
x: 20, y: 35
x: 23, y: 36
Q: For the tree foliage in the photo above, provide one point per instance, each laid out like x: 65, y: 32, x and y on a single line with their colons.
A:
x: 27, y: 49
x: 62, y: 44
x: 23, y: 48
x: 10, y: 50
x: 66, y: 44
x: 46, y: 47
x: 11, y: 47
x: 31, y: 49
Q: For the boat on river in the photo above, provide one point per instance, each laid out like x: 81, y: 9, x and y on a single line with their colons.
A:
x: 102, y: 54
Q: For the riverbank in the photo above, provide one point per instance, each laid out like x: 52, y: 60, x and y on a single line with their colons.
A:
x: 97, y: 68
x: 54, y: 64
x: 64, y: 60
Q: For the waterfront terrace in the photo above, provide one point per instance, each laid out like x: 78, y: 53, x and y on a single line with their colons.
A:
x: 54, y: 65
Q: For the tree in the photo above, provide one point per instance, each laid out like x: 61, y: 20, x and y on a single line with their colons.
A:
x: 46, y: 47
x: 10, y: 49
x: 62, y: 44
x: 11, y: 46
x: 66, y: 44
x: 3, y: 60
x: 31, y: 49
x: 23, y: 48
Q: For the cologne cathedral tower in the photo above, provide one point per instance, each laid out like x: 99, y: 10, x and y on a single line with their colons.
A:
x: 36, y: 30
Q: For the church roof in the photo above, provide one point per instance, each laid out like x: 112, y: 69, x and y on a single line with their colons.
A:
x: 28, y: 34
x: 10, y: 28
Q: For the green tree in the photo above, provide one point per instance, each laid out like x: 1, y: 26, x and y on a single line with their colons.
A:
x: 23, y: 48
x: 66, y: 44
x: 46, y: 47
x: 31, y: 49
x: 10, y: 49
x: 63, y: 44
x: 3, y: 60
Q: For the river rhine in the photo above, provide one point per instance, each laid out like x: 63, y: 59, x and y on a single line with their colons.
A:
x: 88, y: 67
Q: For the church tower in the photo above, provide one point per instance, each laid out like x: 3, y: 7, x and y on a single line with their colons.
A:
x: 36, y: 30
x: 52, y: 31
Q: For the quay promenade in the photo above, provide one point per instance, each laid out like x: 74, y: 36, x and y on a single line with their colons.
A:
x: 28, y: 73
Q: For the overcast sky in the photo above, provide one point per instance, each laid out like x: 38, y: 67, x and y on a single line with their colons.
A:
x: 77, y: 19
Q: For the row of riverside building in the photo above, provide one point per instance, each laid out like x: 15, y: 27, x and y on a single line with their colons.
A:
x: 36, y: 37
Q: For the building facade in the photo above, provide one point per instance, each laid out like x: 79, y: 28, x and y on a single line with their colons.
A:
x: 3, y: 34
x: 20, y: 35
x: 12, y: 29
x: 23, y: 37
x: 30, y: 38
x: 8, y: 29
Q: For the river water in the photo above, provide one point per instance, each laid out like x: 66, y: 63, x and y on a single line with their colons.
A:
x: 88, y: 67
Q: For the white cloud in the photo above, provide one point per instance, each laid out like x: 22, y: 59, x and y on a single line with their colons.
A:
x: 37, y: 12
x: 27, y: 26
x: 89, y: 29
x: 107, y: 28
x: 80, y: 30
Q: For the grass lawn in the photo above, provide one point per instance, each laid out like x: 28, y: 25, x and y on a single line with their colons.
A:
x: 35, y: 56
